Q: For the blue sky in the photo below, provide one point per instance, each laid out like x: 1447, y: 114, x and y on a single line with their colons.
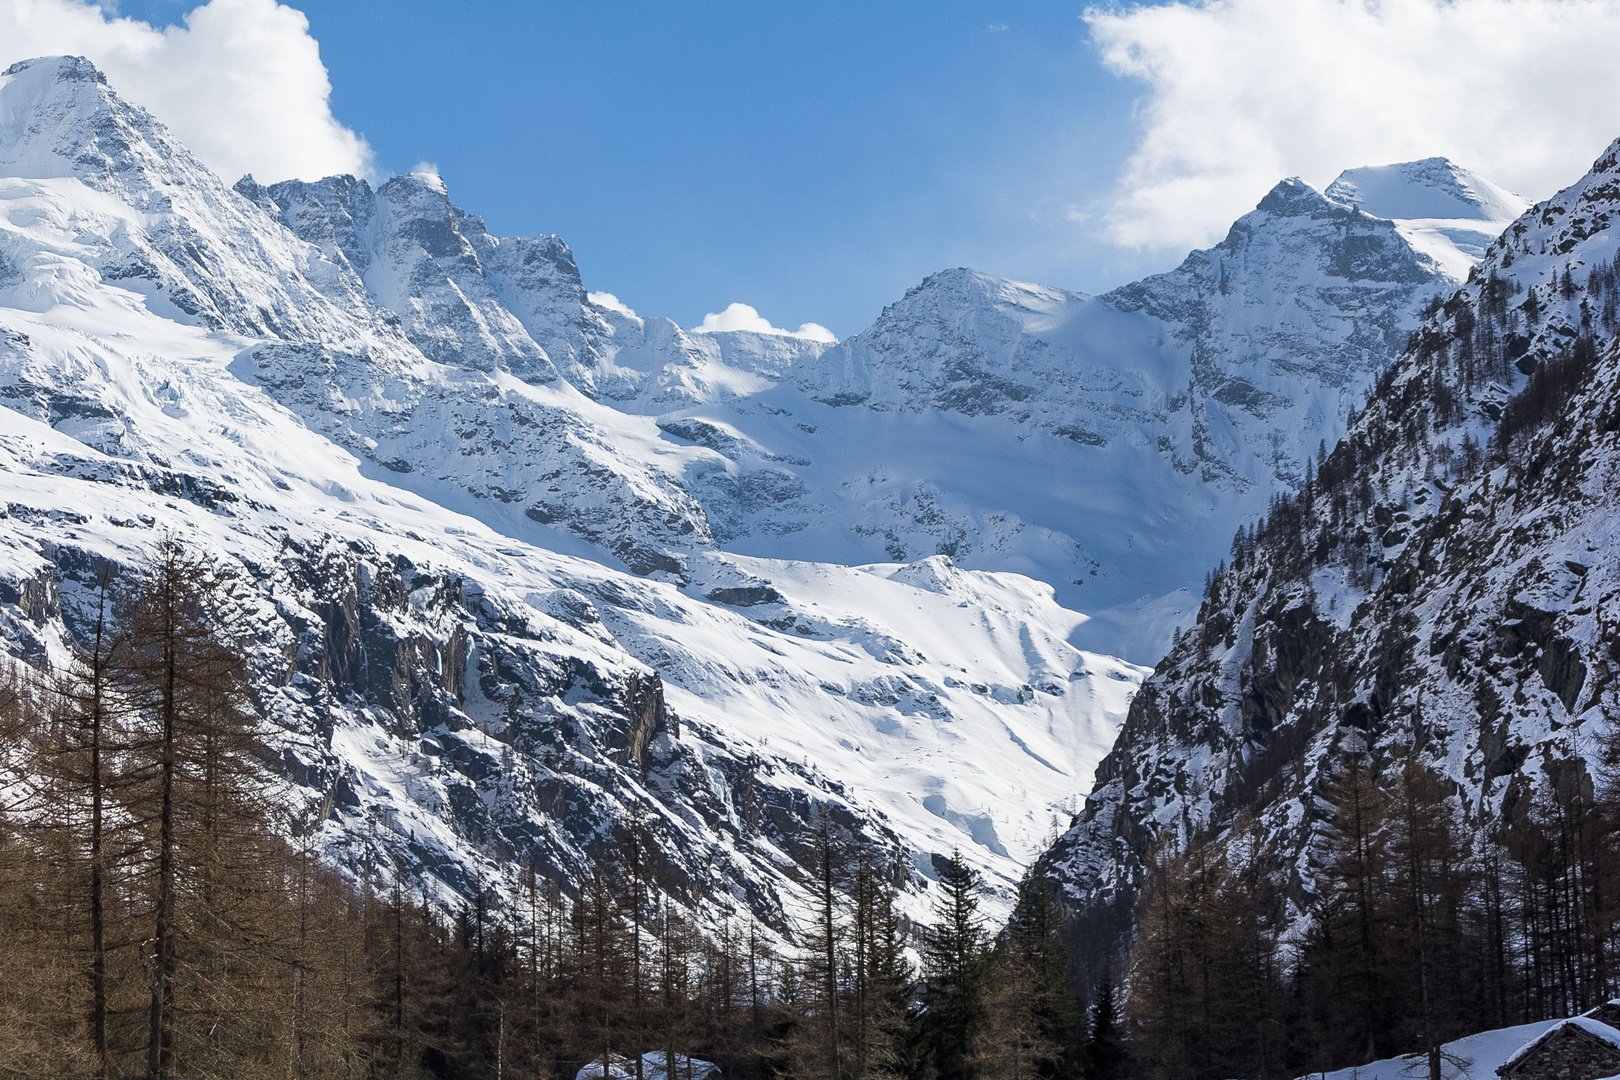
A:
x: 816, y: 160
x: 813, y: 160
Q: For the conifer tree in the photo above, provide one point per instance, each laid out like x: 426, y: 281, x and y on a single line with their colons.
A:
x: 188, y: 689
x: 1104, y: 1056
x: 82, y: 759
x: 954, y: 996
x: 882, y: 977
x: 1035, y: 1017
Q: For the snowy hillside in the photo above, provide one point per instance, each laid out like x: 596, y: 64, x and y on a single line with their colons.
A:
x: 1444, y: 589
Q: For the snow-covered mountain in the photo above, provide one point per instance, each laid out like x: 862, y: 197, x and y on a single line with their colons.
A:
x: 1108, y: 445
x: 1446, y: 212
x: 459, y: 691
x: 1445, y: 588
x: 524, y: 565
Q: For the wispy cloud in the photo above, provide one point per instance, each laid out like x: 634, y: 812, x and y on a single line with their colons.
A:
x: 611, y: 302
x: 239, y: 81
x: 1241, y: 93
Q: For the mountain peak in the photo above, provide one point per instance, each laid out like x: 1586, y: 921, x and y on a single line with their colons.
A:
x: 427, y: 178
x: 965, y: 281
x: 45, y: 97
x: 1609, y: 161
x: 1433, y: 187
x: 1292, y: 196
x: 59, y: 116
x: 60, y: 68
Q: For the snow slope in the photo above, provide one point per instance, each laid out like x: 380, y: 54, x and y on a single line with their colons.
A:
x: 1482, y: 1053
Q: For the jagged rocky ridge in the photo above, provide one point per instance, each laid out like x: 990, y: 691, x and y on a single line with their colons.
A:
x: 1447, y: 583
x: 947, y: 426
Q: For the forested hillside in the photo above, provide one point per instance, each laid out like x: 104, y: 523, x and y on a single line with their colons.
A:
x: 155, y: 922
x: 1366, y: 803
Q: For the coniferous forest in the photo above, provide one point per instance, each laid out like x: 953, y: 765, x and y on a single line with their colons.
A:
x: 154, y: 922
x: 1423, y: 929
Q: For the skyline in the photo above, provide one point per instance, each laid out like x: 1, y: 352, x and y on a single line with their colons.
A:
x: 815, y: 164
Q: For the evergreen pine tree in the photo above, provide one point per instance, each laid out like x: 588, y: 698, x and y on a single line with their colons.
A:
x: 955, y: 1012
x: 1104, y: 1057
x: 1036, y: 1019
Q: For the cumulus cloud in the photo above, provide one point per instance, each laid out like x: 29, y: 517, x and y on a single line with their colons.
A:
x: 240, y: 81
x: 1242, y: 93
x: 744, y: 317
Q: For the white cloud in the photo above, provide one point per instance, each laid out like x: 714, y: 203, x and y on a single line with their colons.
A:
x: 1242, y: 93
x: 241, y: 82
x: 744, y: 317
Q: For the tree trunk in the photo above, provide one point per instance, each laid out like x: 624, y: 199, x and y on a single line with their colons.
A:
x: 160, y: 1032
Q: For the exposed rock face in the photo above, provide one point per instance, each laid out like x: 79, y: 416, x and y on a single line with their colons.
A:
x: 432, y: 724
x: 1304, y: 295
x: 1446, y: 585
x: 422, y: 258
